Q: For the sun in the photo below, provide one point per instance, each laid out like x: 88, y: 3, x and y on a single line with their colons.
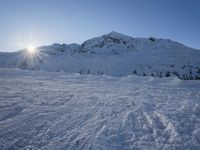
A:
x: 31, y: 49
x: 31, y: 56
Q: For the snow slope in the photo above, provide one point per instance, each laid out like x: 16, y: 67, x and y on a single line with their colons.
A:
x: 112, y: 54
x: 42, y: 110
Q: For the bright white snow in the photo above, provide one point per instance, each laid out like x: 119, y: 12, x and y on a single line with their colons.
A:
x: 42, y: 110
x: 112, y: 54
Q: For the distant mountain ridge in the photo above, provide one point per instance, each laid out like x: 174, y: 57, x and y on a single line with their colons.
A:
x: 112, y: 54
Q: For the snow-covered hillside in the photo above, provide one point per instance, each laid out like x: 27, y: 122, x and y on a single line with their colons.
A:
x: 51, y: 111
x: 112, y: 54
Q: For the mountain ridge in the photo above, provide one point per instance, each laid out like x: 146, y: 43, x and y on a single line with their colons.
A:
x: 112, y: 54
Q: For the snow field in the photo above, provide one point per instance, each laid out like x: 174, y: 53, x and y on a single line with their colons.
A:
x: 41, y: 110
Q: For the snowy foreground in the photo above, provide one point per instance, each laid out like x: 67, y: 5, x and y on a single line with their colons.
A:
x: 40, y: 110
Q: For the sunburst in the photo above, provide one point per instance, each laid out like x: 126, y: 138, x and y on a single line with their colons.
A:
x: 31, y: 50
x: 30, y: 57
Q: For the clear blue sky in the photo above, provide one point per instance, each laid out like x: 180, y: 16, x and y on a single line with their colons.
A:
x: 44, y: 22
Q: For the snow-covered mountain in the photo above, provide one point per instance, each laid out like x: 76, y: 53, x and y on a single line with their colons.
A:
x: 112, y: 54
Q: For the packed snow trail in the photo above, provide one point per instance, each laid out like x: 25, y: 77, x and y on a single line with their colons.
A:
x: 40, y: 110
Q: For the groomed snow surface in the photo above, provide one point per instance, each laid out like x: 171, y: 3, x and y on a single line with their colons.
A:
x: 42, y: 110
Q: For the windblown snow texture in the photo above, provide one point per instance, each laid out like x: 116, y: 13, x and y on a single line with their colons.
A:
x: 113, y: 54
x: 48, y: 111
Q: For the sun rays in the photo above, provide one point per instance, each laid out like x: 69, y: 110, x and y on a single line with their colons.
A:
x: 30, y: 58
x: 32, y: 50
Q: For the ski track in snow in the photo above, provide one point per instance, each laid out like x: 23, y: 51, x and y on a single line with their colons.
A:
x: 40, y: 110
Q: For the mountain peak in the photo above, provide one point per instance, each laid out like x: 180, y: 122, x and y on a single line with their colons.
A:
x: 114, y: 33
x: 117, y: 35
